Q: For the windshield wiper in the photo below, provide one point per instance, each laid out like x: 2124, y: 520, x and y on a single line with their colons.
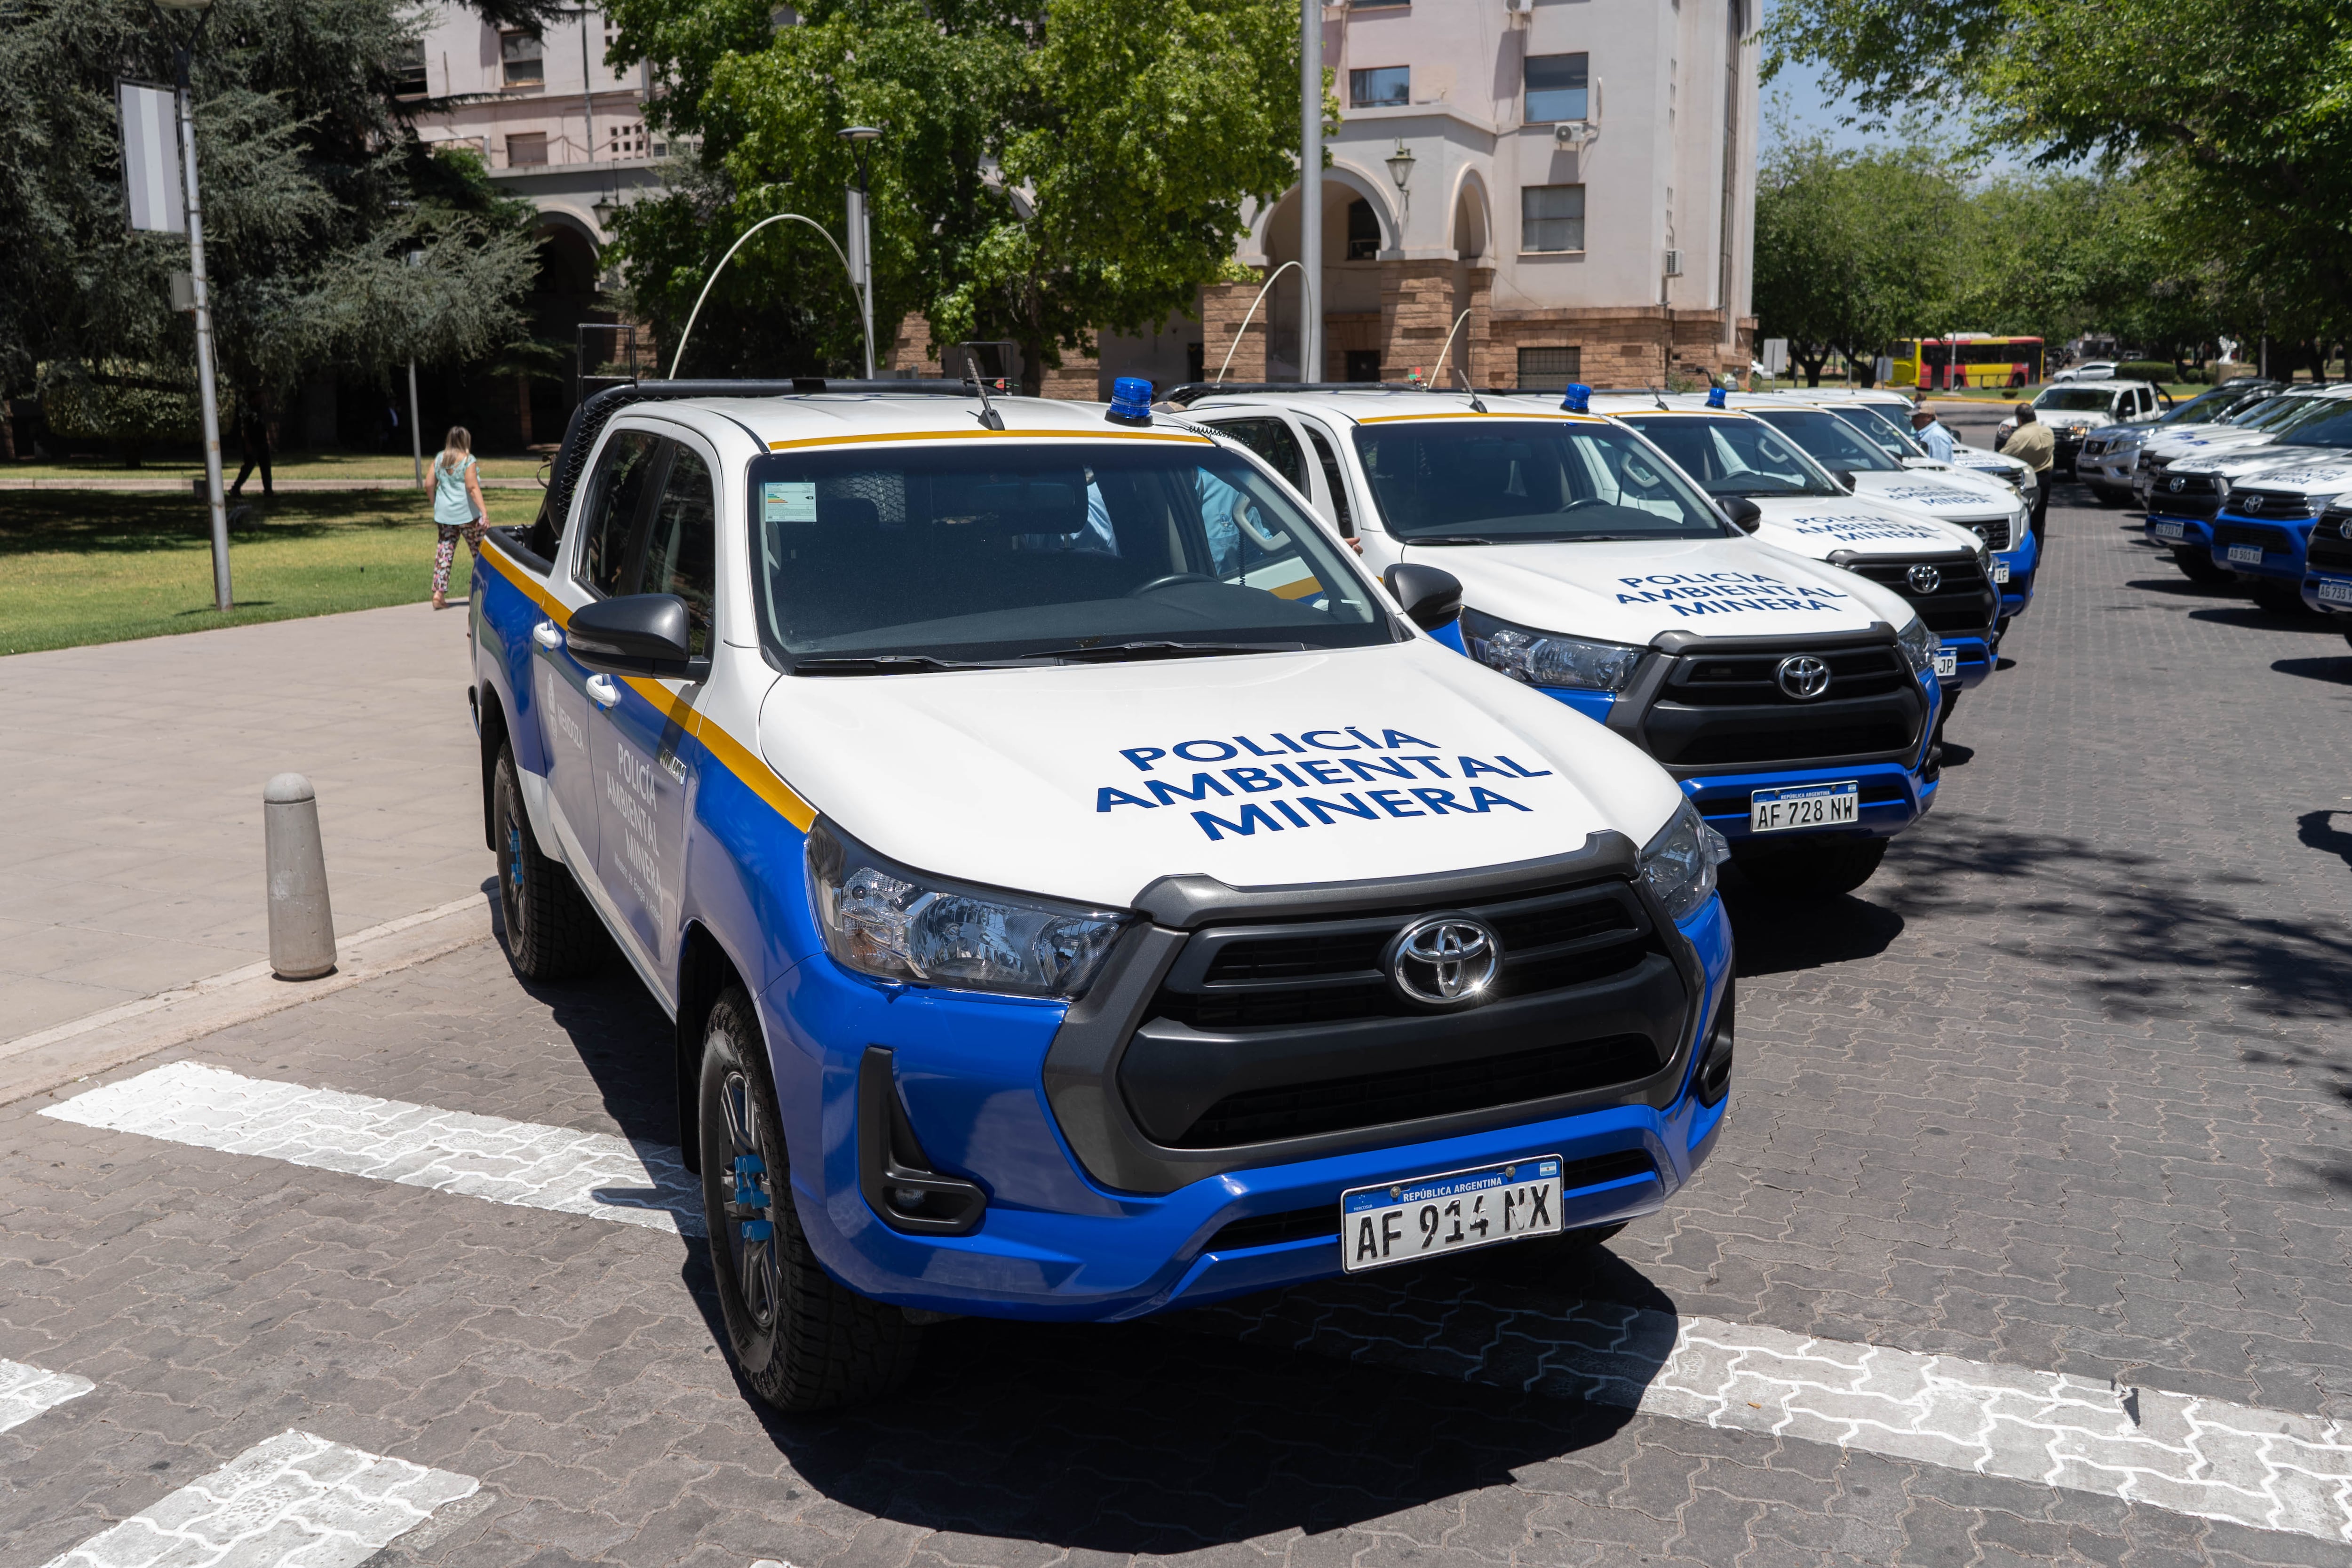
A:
x: 1118, y: 652
x: 891, y: 664
x: 1446, y: 539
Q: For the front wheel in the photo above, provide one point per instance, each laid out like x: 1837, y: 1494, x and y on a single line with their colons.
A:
x: 802, y: 1341
x: 1822, y: 869
x: 2197, y: 567
x: 551, y: 933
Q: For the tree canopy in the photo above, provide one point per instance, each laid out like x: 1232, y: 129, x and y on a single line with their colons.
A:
x: 1041, y: 175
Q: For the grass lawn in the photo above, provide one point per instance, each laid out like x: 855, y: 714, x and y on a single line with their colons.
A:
x: 293, y: 465
x: 97, y: 567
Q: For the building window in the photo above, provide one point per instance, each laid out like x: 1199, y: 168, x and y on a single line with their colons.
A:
x: 1555, y: 85
x: 522, y: 58
x: 1551, y: 218
x: 1550, y: 370
x: 1380, y: 87
x: 626, y: 140
x: 527, y: 150
x: 408, y: 65
x: 1378, y: 4
x: 1363, y: 232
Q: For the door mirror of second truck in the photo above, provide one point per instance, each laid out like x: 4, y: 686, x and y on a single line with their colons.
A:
x: 1745, y: 514
x: 645, y: 635
x: 1430, y: 598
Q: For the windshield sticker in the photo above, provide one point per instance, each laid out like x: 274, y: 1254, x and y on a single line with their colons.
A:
x: 1724, y: 593
x: 1330, y: 790
x: 788, y: 500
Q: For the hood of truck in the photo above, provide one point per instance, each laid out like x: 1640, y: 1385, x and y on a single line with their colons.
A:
x: 1949, y: 497
x: 1630, y: 592
x: 1091, y: 782
x: 2243, y: 460
x: 2328, y: 473
x: 1820, y: 526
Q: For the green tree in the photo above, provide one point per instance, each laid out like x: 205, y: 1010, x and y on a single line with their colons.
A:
x: 314, y: 191
x: 1043, y: 175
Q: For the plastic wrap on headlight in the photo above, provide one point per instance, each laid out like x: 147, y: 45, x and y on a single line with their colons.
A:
x: 886, y: 920
x: 1679, y: 864
x: 1548, y: 658
x: 1919, y: 646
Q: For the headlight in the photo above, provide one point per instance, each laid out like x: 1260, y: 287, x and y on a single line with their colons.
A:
x: 1548, y: 658
x: 1679, y: 864
x: 1919, y: 646
x: 893, y: 923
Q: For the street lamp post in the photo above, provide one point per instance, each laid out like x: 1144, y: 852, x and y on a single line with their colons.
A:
x: 183, y: 56
x: 861, y: 233
x: 1401, y: 163
x: 1310, y: 190
x: 415, y: 431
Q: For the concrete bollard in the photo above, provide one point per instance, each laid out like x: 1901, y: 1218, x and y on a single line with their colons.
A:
x: 301, y: 925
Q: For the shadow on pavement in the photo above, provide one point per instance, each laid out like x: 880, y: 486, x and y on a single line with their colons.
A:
x: 2268, y: 620
x: 2337, y: 671
x: 1773, y: 935
x: 2181, y: 588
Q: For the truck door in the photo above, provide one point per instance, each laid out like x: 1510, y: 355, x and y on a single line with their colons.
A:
x: 613, y: 499
x: 647, y: 775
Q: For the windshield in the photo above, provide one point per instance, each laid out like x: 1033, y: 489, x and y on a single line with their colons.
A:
x: 1886, y: 432
x: 1492, y: 481
x: 1732, y: 454
x: 1001, y: 549
x: 2281, y: 412
x: 2204, y: 406
x: 2076, y: 399
x: 1829, y: 440
x: 2330, y: 425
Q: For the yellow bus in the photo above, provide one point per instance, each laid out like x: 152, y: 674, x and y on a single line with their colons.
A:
x: 1966, y: 359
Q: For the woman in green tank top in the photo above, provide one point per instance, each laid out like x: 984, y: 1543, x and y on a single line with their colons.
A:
x: 458, y: 507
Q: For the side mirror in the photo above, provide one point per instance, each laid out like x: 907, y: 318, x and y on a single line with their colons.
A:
x: 1745, y: 514
x: 639, y: 634
x: 1844, y: 477
x: 1429, y: 597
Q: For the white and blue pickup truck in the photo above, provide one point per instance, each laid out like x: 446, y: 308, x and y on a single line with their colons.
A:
x: 2108, y: 462
x: 2194, y: 512
x: 1081, y: 889
x: 1796, y: 701
x: 2327, y: 563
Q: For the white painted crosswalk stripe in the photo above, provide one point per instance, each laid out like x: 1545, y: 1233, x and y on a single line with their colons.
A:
x: 295, y: 1501
x: 2209, y: 1458
x: 27, y: 1390
x: 521, y: 1162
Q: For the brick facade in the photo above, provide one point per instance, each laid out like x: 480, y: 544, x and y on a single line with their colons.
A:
x: 1223, y: 306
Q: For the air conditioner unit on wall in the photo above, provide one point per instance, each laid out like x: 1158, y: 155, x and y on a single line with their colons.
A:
x: 1674, y: 263
x: 1519, y: 7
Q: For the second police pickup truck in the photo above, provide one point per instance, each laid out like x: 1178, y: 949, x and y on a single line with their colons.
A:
x: 1795, y: 700
x: 1081, y: 890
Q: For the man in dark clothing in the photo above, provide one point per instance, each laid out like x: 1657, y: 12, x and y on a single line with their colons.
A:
x: 2032, y: 444
x: 253, y: 436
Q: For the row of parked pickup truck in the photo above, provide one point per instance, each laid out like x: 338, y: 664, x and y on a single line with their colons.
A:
x: 1103, y: 860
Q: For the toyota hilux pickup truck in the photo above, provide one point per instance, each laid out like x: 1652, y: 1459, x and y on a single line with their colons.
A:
x: 1884, y: 416
x: 1795, y: 702
x: 2256, y: 425
x: 2327, y: 563
x: 2185, y: 506
x: 2076, y: 408
x: 2109, y: 457
x: 1080, y: 888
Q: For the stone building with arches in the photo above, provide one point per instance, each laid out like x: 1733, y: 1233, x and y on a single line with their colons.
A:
x: 1578, y: 205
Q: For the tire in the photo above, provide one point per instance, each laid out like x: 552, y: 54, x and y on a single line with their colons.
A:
x: 1821, y: 870
x: 802, y: 1341
x: 2279, y: 598
x: 552, y: 933
x: 2197, y: 567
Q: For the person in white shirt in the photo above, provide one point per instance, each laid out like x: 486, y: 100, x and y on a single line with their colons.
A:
x: 1930, y: 433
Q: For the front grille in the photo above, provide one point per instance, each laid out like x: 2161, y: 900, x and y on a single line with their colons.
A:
x: 1267, y: 1031
x: 1321, y: 1222
x: 1377, y: 1099
x: 2331, y: 542
x: 1728, y: 709
x: 1993, y: 531
x: 1963, y: 602
x: 2199, y: 496
x: 2267, y: 505
x: 2274, y: 540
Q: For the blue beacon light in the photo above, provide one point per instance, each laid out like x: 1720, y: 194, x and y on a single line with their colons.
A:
x: 1578, y: 399
x: 1130, y: 401
x: 1715, y: 397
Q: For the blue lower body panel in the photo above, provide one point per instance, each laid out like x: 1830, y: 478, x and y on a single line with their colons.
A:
x: 2329, y: 591
x: 2178, y: 532
x: 2022, y: 562
x: 1054, y: 1245
x: 2283, y: 544
x: 1890, y: 798
x: 1975, y: 656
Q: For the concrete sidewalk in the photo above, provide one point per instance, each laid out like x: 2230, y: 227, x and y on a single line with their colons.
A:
x: 134, y: 859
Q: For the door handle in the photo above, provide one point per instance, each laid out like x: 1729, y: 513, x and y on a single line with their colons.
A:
x: 602, y: 692
x: 546, y: 636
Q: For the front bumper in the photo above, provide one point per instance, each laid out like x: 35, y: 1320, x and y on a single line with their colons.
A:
x: 1890, y: 798
x: 2022, y: 562
x: 2328, y: 592
x: 2284, y: 546
x: 1056, y: 1244
x: 2178, y: 532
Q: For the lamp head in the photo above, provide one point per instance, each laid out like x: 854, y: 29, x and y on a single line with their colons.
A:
x: 606, y: 210
x: 1400, y: 163
x: 858, y: 135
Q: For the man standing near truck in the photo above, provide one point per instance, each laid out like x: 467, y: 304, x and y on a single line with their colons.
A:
x: 2032, y: 444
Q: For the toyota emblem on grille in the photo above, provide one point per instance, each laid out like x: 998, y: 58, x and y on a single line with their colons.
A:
x: 1444, y: 960
x: 1925, y: 579
x: 1803, y: 677
x: 2252, y: 504
x: 2179, y: 484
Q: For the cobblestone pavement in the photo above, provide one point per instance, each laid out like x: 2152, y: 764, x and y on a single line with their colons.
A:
x: 2054, y: 1115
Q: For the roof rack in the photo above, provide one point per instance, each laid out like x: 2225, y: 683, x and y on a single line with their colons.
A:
x: 591, y: 417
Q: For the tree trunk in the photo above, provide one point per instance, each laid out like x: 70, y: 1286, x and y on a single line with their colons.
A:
x: 522, y: 406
